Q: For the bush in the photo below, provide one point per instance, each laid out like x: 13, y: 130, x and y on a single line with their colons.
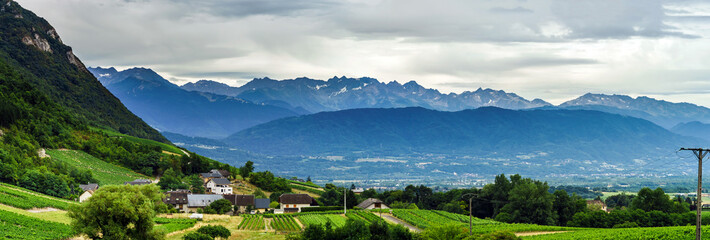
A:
x: 499, y: 235
x: 321, y: 209
x: 504, y: 217
x: 221, y: 206
x: 197, y: 236
x: 215, y: 231
x: 626, y: 225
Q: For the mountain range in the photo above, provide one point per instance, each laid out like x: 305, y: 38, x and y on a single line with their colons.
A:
x: 339, y: 93
x: 167, y: 107
x: 487, y: 131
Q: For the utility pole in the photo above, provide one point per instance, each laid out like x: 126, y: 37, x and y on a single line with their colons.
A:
x: 470, y: 211
x: 345, y: 200
x: 700, y: 153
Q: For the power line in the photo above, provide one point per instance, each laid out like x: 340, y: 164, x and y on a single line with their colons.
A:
x: 700, y: 153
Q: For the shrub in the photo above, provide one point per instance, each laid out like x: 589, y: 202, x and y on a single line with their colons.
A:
x: 197, y: 236
x: 626, y: 225
x: 215, y: 231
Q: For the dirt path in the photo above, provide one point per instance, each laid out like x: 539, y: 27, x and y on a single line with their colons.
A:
x: 267, y: 224
x: 523, y: 234
x: 395, y: 220
x: 41, y: 210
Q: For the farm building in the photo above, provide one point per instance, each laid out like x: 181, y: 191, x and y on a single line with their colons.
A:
x: 372, y: 203
x: 261, y: 204
x: 86, y: 195
x: 177, y: 199
x: 240, y: 202
x: 195, y: 201
x: 219, y: 186
x: 89, y: 186
x: 294, y: 202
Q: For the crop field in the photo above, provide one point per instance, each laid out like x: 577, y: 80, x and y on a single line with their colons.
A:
x: 26, y: 199
x: 15, y: 226
x: 336, y: 220
x: 285, y: 223
x: 252, y: 222
x: 106, y: 173
x: 661, y: 233
x: 168, y: 225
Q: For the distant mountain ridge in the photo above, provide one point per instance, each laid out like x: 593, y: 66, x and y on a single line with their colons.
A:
x: 663, y: 113
x: 576, y: 134
x: 339, y: 93
x: 167, y: 107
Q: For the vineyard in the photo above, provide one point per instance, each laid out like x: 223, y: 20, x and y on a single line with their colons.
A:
x: 25, y: 199
x: 285, y: 223
x: 307, y: 189
x: 168, y: 225
x: 335, y: 220
x: 252, y: 222
x: 662, y: 233
x: 15, y: 226
x: 106, y: 173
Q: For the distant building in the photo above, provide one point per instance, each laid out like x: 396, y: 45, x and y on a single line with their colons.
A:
x: 262, y: 204
x: 596, y: 205
x: 195, y: 201
x: 219, y: 186
x: 240, y: 202
x: 373, y: 203
x: 294, y: 202
x: 86, y: 195
x: 139, y: 182
x: 89, y: 186
x: 177, y: 199
x: 223, y: 173
x: 358, y: 190
x: 210, y: 175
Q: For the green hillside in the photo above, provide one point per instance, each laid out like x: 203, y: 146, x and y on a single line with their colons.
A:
x: 16, y: 226
x: 25, y: 199
x: 164, y: 146
x: 106, y: 173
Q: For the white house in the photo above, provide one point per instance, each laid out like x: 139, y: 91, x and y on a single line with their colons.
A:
x: 86, y: 195
x: 294, y: 202
x: 219, y: 186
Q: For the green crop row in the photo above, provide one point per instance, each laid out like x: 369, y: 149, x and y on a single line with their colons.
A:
x: 15, y: 226
x: 26, y: 199
x: 252, y: 222
x: 284, y: 223
x: 168, y: 225
x: 661, y: 233
x: 307, y: 189
x: 334, y: 219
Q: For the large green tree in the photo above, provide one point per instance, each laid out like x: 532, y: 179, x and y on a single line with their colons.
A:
x: 119, y: 212
x: 530, y: 202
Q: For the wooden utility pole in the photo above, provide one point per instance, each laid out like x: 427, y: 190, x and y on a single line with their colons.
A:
x: 700, y: 153
x: 470, y: 212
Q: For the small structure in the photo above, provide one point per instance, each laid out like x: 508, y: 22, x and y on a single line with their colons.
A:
x: 196, y: 216
x: 596, y: 205
x: 86, y: 195
x: 89, y: 186
x: 219, y: 186
x: 222, y: 173
x: 240, y: 202
x: 139, y: 182
x: 177, y: 199
x: 195, y: 201
x: 373, y: 203
x: 262, y: 204
x: 291, y: 203
x: 210, y: 175
x: 358, y: 190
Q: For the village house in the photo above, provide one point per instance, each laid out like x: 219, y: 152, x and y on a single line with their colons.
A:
x: 210, y: 175
x: 596, y: 205
x: 218, y: 186
x: 358, y: 190
x: 86, y: 195
x: 290, y: 203
x: 177, y: 199
x: 372, y: 203
x: 261, y: 204
x: 139, y: 182
x: 199, y: 201
x: 240, y: 202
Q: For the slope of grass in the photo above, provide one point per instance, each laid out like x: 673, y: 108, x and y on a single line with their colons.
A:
x: 58, y: 216
x: 26, y: 199
x: 16, y: 226
x: 106, y: 173
x: 166, y: 147
x: 667, y: 233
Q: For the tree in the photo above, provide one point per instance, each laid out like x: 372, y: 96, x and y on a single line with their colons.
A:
x: 649, y: 200
x: 259, y: 194
x: 566, y: 206
x: 619, y: 200
x: 170, y: 181
x: 221, y: 206
x: 308, y: 179
x: 196, y: 184
x: 118, y: 212
x: 215, y: 231
x: 530, y: 202
x: 247, y: 169
x: 197, y: 236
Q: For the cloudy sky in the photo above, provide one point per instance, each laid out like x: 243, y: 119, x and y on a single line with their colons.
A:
x: 550, y: 49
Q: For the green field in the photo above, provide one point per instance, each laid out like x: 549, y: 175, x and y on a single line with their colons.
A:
x: 166, y: 147
x: 252, y: 222
x: 284, y: 223
x: 661, y: 233
x: 16, y: 226
x: 26, y: 199
x: 168, y: 225
x: 106, y: 173
x: 335, y: 219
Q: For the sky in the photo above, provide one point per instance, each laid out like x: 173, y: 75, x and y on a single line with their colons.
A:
x: 555, y: 50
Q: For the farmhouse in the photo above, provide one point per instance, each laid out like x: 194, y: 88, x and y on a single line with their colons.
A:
x: 596, y: 205
x: 177, y: 199
x: 261, y: 204
x: 240, y: 202
x: 86, y: 195
x: 89, y: 186
x: 195, y: 201
x: 294, y: 202
x: 214, y: 173
x: 372, y: 203
x: 219, y: 186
